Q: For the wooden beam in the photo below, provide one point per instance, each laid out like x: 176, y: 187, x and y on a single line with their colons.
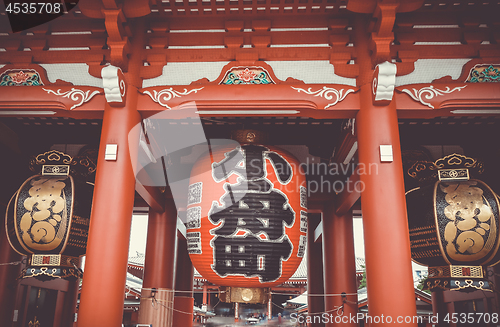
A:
x: 348, y: 145
x: 351, y: 194
x: 152, y: 195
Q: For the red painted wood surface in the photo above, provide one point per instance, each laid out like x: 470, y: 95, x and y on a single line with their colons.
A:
x: 339, y: 265
x: 8, y: 275
x: 160, y: 248
x: 109, y: 233
x: 184, y: 277
x: 315, y: 285
x: 385, y: 222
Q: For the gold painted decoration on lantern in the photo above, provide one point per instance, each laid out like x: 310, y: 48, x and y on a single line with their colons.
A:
x: 246, y: 216
x: 454, y: 222
x: 48, y: 217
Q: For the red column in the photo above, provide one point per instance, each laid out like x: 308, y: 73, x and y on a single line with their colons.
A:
x: 70, y: 302
x: 385, y: 224
x: 439, y: 308
x: 387, y: 243
x: 105, y: 273
x: 339, y: 268
x: 315, y: 290
x: 8, y: 275
x: 157, y: 305
x: 184, y: 273
x: 450, y: 307
x: 204, y: 299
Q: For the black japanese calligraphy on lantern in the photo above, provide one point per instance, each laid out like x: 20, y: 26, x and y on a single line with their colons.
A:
x: 250, y: 239
x: 250, y: 256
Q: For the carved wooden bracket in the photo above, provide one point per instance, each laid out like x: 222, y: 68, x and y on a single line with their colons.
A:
x: 382, y: 36
x: 114, y: 85
x: 384, y: 80
x: 117, y: 36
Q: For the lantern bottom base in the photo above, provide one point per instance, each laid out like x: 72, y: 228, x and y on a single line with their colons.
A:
x: 244, y: 294
x: 48, y: 273
x: 457, y: 284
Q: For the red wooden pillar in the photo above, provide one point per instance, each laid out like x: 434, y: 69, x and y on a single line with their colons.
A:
x: 387, y: 244
x: 315, y: 300
x: 439, y: 308
x: 339, y: 268
x: 70, y: 302
x: 105, y: 273
x: 184, y: 273
x: 204, y: 299
x: 385, y: 223
x: 157, y: 297
x: 8, y: 275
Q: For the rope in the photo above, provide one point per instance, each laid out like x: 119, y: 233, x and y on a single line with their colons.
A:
x: 11, y: 263
x: 340, y: 294
x: 175, y: 291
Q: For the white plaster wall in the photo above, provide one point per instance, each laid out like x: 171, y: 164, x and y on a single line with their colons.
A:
x: 309, y: 71
x: 183, y: 73
x: 427, y: 70
x: 78, y: 74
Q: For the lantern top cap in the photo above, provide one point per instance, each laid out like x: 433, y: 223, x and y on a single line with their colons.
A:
x: 48, y: 162
x: 249, y: 136
x: 427, y: 171
x: 52, y: 157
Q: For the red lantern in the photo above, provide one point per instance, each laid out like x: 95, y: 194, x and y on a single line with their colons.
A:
x: 247, y: 215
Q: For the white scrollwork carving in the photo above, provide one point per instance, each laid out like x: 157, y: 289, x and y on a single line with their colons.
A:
x: 328, y: 93
x: 428, y: 93
x: 166, y: 95
x: 122, y: 88
x: 113, y: 84
x: 383, y: 82
x: 79, y: 96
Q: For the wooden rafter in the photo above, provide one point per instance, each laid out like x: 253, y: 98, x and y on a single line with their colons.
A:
x: 98, y: 32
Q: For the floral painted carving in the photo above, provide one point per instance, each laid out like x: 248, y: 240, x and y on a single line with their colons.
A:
x: 484, y: 74
x: 428, y: 93
x: 76, y: 95
x: 20, y: 77
x: 328, y: 93
x: 247, y: 75
x: 166, y: 95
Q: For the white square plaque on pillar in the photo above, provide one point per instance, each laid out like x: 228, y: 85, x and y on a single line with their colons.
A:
x: 386, y: 153
x: 111, y: 152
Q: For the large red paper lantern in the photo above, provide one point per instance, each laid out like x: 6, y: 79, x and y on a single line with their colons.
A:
x: 247, y: 215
